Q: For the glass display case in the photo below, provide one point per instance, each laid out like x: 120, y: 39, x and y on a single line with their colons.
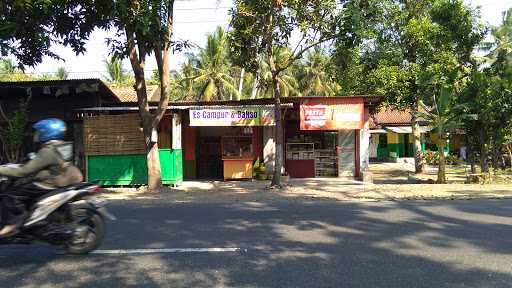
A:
x: 300, y: 151
x: 237, y: 147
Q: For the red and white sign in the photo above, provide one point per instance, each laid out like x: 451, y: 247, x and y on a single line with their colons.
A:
x: 332, y: 114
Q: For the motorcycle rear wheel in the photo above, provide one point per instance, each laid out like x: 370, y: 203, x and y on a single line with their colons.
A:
x: 95, y: 225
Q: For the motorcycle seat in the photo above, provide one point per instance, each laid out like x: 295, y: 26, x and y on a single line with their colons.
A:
x: 62, y: 190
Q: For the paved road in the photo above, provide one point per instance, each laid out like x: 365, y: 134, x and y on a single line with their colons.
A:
x: 322, y: 244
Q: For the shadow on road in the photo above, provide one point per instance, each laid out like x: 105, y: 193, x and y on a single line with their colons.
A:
x: 399, y: 244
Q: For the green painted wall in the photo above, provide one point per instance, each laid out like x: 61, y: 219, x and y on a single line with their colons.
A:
x: 114, y: 170
x: 382, y: 153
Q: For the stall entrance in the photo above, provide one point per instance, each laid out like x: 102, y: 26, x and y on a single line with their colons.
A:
x: 225, y: 153
x: 346, y: 153
x: 210, y: 160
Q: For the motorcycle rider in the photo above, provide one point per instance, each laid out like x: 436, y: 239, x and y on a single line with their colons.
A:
x: 47, y: 171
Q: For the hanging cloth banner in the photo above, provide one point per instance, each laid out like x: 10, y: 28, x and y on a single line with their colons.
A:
x: 232, y: 116
x: 332, y: 114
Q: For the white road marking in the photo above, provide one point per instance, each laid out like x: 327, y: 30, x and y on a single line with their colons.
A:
x: 166, y: 250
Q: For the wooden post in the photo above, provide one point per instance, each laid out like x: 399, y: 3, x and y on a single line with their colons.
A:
x: 78, y: 146
x: 176, y: 136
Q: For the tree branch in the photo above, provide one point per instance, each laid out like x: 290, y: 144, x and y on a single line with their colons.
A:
x: 162, y: 56
x: 139, y: 74
x: 303, y: 50
x: 2, y: 113
x: 299, y: 44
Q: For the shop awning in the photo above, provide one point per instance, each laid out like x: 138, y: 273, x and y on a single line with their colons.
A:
x: 406, y: 129
x: 378, y: 131
x: 399, y: 129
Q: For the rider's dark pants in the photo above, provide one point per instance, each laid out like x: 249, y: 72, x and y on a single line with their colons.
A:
x: 17, y: 200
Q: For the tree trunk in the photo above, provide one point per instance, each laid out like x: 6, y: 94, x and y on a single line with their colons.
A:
x: 471, y: 156
x: 418, y: 155
x: 257, y: 78
x: 495, y: 159
x: 152, y: 155
x: 154, y: 169
x: 241, y: 84
x: 509, y: 150
x: 278, y: 133
x: 441, y: 173
x: 484, y: 165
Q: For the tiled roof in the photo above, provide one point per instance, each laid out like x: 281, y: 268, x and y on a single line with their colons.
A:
x: 128, y: 94
x: 387, y: 117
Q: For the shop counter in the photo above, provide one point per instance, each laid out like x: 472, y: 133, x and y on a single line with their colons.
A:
x: 237, y: 168
x: 301, y: 168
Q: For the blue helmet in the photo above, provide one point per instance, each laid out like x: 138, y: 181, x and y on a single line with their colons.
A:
x: 50, y: 129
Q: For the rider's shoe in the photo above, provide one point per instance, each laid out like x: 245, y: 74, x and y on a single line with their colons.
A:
x: 8, y: 231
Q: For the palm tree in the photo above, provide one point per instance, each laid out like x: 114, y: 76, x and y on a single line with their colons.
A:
x: 62, y: 73
x: 7, y: 66
x: 116, y: 74
x: 212, y: 72
x: 500, y: 48
x: 314, y: 77
x: 9, y: 72
x: 444, y: 117
x: 287, y: 79
x: 182, y: 82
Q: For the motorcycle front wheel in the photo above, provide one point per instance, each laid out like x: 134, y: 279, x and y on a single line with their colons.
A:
x: 91, y: 233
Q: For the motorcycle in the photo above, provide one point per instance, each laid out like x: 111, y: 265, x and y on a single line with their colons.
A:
x: 70, y: 217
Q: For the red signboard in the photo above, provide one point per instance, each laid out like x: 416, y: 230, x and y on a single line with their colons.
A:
x: 332, y: 114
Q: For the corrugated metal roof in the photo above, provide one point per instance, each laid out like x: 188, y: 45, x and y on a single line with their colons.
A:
x: 171, y: 107
x: 58, y: 83
x: 22, y: 84
x: 373, y: 100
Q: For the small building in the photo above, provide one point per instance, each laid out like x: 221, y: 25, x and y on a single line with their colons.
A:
x: 57, y: 98
x: 392, y: 138
x: 114, y: 143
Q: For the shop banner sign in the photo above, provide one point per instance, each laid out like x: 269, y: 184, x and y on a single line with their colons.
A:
x: 233, y: 116
x: 332, y: 114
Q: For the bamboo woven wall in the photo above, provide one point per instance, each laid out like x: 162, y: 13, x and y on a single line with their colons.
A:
x: 113, y: 135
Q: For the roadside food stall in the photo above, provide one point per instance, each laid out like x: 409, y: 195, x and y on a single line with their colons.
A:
x: 229, y: 139
x: 323, y: 137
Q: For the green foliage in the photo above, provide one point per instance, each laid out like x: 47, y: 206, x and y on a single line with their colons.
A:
x: 212, y: 72
x: 10, y: 72
x: 28, y: 28
x: 260, y: 25
x: 12, y: 132
x: 315, y: 75
x: 206, y: 74
x: 62, y: 73
x: 432, y: 158
x: 488, y: 94
x: 288, y: 80
x: 116, y: 74
x: 403, y: 49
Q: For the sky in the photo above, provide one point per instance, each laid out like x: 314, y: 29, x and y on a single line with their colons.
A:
x: 194, y: 20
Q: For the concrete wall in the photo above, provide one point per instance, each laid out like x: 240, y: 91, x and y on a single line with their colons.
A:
x: 269, y: 148
x: 364, y: 145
